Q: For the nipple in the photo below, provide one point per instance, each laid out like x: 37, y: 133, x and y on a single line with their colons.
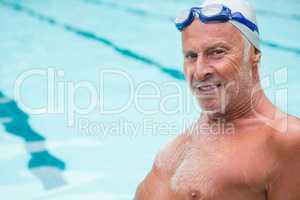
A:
x: 195, y: 195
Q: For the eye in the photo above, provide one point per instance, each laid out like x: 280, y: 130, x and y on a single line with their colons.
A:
x: 190, y: 56
x: 217, y: 53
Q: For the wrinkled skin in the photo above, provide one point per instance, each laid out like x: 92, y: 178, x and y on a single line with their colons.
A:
x: 258, y: 159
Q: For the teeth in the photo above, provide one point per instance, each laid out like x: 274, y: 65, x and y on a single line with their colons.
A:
x: 211, y: 87
x: 207, y: 87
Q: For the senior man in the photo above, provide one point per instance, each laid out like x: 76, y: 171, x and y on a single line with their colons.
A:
x: 259, y: 158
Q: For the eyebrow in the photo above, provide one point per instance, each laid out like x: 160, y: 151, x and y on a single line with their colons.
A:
x: 209, y: 47
x: 189, y: 52
x: 218, y: 44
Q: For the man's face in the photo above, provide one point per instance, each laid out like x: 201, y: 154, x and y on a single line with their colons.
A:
x: 214, y: 65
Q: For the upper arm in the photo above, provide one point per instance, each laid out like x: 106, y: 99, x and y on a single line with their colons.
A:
x: 286, y: 182
x: 157, y: 183
x: 155, y: 186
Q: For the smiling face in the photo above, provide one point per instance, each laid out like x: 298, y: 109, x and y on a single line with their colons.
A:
x: 215, y: 65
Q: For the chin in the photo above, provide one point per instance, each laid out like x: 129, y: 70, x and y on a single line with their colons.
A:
x: 210, y: 107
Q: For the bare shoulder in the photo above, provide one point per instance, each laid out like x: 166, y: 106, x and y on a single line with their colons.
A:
x: 172, y: 154
x: 293, y: 135
x: 294, y: 125
x: 287, y: 140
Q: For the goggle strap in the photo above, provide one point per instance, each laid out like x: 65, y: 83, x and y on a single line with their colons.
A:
x: 239, y: 17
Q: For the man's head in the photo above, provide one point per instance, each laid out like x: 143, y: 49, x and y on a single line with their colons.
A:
x: 221, y: 60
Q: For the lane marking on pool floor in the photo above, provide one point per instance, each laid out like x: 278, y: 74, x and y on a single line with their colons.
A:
x: 171, y: 71
x: 145, y: 13
x: 132, y: 10
x: 278, y: 15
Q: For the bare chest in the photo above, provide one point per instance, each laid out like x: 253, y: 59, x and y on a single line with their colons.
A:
x: 220, y: 173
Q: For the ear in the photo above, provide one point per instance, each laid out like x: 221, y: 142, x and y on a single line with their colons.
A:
x: 255, y: 60
x: 256, y: 56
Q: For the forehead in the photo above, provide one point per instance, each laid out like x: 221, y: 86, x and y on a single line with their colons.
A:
x: 200, y: 35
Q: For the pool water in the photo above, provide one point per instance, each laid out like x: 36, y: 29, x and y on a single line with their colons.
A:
x: 100, y: 55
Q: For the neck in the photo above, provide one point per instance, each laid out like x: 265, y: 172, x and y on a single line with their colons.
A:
x: 246, y: 108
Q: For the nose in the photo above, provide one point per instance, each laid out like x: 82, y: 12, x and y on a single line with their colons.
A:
x: 203, y: 69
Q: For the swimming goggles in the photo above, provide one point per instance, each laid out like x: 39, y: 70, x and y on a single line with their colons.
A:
x: 212, y: 13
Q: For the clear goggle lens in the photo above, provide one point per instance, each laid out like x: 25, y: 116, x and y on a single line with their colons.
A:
x: 183, y: 16
x: 208, y: 11
x: 211, y: 10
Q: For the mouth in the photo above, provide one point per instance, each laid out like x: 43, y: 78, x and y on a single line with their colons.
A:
x: 208, y: 88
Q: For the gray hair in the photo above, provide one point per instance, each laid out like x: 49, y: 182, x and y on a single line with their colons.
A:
x: 247, y: 49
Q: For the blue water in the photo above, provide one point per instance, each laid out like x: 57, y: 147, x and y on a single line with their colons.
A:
x: 76, y: 41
